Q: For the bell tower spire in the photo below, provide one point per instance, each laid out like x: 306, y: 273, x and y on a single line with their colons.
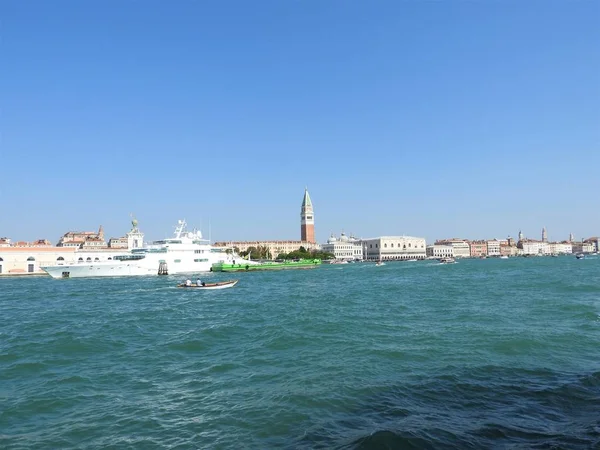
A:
x: 307, y: 219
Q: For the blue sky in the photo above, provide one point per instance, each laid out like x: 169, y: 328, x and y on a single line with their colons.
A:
x: 435, y: 119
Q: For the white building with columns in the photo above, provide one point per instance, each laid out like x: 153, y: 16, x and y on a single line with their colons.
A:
x: 440, y: 251
x: 394, y: 248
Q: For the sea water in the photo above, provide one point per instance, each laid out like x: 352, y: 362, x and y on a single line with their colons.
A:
x: 479, y: 354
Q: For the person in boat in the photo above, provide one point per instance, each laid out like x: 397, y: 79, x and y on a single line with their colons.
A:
x: 199, y: 282
x: 188, y: 283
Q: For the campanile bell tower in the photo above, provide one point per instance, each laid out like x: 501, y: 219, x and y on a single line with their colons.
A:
x: 307, y: 219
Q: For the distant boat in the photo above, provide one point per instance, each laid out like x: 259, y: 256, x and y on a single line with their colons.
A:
x: 447, y: 260
x: 219, y: 285
x: 380, y: 263
x: 580, y: 256
x: 504, y: 257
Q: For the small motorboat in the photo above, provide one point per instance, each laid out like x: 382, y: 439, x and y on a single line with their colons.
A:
x: 580, y: 256
x: 219, y: 285
x: 447, y: 260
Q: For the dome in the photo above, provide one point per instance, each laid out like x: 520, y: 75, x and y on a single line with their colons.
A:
x: 343, y: 238
x: 331, y: 239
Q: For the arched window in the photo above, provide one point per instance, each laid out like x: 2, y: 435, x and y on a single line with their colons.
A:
x: 392, y: 245
x: 1, y: 259
x: 404, y: 246
x: 109, y: 258
x: 96, y: 259
x: 409, y: 245
x: 31, y: 258
x: 385, y: 245
x: 60, y: 258
x: 80, y: 260
x: 88, y: 259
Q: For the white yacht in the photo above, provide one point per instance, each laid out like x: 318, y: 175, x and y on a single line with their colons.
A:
x: 186, y: 252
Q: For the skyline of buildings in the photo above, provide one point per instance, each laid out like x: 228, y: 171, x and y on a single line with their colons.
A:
x: 90, y: 240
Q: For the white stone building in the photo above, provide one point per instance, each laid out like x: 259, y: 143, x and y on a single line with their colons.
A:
x: 461, y: 247
x: 533, y: 247
x: 394, y: 248
x: 493, y: 247
x: 344, y: 248
x: 440, y: 251
x: 560, y: 248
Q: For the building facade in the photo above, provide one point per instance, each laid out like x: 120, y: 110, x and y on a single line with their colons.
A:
x: 478, y: 249
x: 534, y: 247
x: 493, y: 247
x: 460, y: 247
x: 440, y: 251
x: 275, y: 247
x: 583, y: 247
x: 28, y: 260
x: 560, y: 248
x: 394, y: 248
x: 344, y: 247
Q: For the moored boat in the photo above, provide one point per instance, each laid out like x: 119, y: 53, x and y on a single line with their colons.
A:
x: 185, y: 252
x: 210, y: 286
x: 246, y: 266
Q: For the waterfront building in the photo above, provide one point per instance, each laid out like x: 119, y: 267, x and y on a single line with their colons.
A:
x: 307, y: 219
x: 28, y: 259
x: 440, y: 251
x: 493, y: 247
x: 344, y: 247
x: 274, y: 247
x: 559, y: 248
x: 5, y: 242
x: 478, y: 248
x: 506, y: 249
x: 583, y: 247
x: 461, y: 248
x: 595, y: 241
x: 534, y: 247
x: 79, y: 239
x: 394, y: 248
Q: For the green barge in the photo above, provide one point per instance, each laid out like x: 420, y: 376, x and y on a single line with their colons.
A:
x: 269, y: 265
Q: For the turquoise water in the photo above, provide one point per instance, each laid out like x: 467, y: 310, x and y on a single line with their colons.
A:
x: 480, y: 354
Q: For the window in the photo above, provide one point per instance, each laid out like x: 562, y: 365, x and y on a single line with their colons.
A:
x: 96, y: 259
x: 392, y: 245
x: 308, y: 217
x: 60, y: 258
x: 80, y: 260
x: 109, y: 258
x: 177, y: 261
x: 31, y: 258
x: 88, y: 259
x: 385, y: 245
x: 201, y: 260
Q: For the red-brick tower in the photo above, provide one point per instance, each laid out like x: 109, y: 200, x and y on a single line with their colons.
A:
x: 307, y: 220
